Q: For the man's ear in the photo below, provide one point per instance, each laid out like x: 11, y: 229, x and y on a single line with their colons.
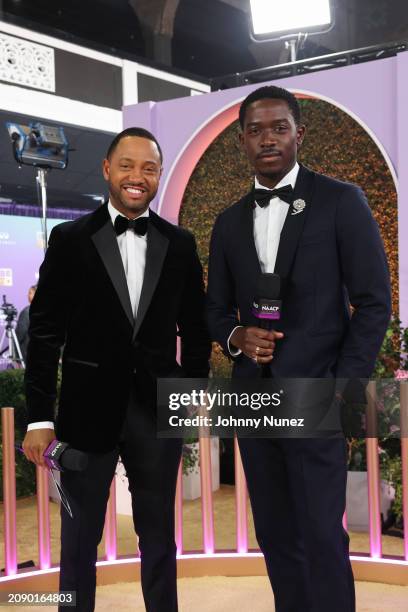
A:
x: 105, y: 169
x: 300, y: 134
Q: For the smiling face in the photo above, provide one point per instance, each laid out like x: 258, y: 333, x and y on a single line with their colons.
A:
x: 271, y: 138
x: 133, y: 173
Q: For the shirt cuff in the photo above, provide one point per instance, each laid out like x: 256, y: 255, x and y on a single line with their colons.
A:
x: 41, y: 425
x: 233, y: 352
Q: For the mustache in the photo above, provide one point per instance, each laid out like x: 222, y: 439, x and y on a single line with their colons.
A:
x: 266, y: 152
x: 135, y: 185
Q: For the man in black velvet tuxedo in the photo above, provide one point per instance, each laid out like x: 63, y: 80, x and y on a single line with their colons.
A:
x: 318, y: 234
x: 114, y: 287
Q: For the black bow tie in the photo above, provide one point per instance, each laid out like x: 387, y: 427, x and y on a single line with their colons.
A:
x: 263, y: 196
x: 139, y: 225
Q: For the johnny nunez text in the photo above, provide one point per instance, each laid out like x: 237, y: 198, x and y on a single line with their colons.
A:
x: 231, y: 421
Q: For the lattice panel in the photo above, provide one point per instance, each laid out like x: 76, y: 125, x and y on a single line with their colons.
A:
x: 26, y: 63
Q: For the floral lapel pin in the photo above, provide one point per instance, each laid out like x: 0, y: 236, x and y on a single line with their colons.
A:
x: 298, y: 207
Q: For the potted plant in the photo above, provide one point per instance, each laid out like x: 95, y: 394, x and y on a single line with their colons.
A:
x: 391, y: 367
x: 191, y: 467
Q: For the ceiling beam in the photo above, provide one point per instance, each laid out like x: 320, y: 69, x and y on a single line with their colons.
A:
x: 156, y: 18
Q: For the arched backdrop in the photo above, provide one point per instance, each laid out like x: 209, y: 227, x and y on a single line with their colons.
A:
x: 373, y: 95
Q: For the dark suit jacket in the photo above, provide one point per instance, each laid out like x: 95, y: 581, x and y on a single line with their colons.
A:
x: 82, y: 301
x: 23, y: 322
x: 329, y: 255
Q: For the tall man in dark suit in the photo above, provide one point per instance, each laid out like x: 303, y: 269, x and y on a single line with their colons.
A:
x: 114, y: 287
x: 318, y: 234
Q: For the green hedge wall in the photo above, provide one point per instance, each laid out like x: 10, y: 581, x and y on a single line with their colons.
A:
x: 335, y: 144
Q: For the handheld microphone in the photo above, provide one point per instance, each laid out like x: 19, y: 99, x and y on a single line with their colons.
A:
x: 267, y: 306
x: 59, y: 456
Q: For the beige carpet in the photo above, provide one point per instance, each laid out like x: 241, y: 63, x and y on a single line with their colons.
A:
x: 217, y: 594
x: 204, y: 594
x: 233, y: 595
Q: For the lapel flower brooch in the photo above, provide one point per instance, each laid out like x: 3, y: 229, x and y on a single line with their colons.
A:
x: 298, y: 207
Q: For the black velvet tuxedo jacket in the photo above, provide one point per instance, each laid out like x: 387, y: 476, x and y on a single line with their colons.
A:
x: 329, y: 255
x: 82, y: 302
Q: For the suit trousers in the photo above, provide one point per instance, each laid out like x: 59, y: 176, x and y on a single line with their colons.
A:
x: 151, y: 466
x: 297, y: 489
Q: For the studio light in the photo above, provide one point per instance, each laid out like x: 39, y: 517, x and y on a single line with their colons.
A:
x: 44, y: 147
x: 290, y: 20
x: 275, y: 17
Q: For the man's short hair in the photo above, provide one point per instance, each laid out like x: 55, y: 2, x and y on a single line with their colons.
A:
x: 273, y: 93
x: 133, y: 131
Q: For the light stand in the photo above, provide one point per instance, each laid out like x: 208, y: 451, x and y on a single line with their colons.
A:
x: 14, y: 356
x: 41, y: 180
x: 294, y: 44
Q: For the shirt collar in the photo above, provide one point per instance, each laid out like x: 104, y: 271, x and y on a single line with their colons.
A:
x: 113, y: 212
x: 288, y: 179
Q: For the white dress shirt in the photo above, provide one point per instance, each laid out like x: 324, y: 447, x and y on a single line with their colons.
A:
x: 133, y: 252
x: 268, y: 224
x: 132, y: 249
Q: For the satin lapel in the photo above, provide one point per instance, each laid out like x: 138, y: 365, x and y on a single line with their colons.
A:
x: 157, y: 245
x: 106, y: 244
x: 294, y: 224
x: 247, y: 248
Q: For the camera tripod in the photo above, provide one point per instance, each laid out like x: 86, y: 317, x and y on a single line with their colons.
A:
x: 13, y: 355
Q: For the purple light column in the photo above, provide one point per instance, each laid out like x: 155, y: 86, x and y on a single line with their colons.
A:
x: 9, y: 491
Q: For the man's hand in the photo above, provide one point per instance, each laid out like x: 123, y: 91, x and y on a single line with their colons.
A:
x: 257, y: 344
x: 35, y: 443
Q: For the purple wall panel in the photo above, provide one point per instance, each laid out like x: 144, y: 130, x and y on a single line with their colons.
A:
x: 21, y: 254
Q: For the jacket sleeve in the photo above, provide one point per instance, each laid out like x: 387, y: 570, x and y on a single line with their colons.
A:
x: 366, y: 278
x: 193, y: 331
x: 222, y: 311
x: 47, y: 329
